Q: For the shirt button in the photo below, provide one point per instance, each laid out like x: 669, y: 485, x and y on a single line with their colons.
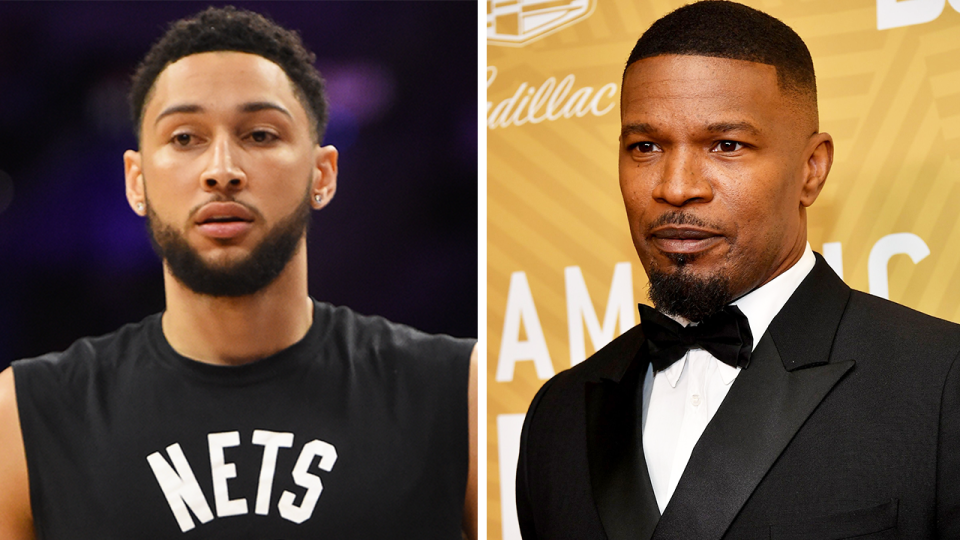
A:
x: 695, y: 400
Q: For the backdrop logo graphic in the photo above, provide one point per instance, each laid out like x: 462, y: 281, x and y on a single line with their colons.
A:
x: 518, y: 22
x: 551, y: 101
x: 894, y: 13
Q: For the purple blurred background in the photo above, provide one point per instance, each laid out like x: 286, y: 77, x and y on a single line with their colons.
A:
x: 399, y: 239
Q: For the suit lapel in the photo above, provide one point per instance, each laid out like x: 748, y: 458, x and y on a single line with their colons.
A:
x: 618, y: 472
x: 789, y: 375
x: 764, y: 409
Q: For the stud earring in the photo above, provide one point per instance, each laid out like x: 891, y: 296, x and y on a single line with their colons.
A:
x: 139, y: 207
x: 318, y: 197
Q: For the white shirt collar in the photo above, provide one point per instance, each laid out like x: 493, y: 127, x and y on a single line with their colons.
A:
x: 674, y: 370
x: 760, y: 306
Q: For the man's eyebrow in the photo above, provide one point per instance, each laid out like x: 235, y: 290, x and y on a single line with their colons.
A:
x: 192, y: 108
x: 638, y: 129
x: 177, y: 109
x: 258, y: 106
x: 726, y: 127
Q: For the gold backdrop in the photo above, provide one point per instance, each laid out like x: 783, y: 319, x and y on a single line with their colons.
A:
x: 563, y: 277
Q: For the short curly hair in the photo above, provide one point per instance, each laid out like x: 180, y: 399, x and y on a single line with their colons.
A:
x: 730, y: 30
x: 240, y: 30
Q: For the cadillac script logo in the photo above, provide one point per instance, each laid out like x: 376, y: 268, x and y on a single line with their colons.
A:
x: 518, y: 22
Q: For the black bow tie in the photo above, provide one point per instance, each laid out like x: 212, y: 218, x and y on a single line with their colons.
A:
x: 726, y: 335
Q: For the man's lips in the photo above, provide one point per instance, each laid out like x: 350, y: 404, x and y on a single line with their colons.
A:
x: 222, y: 211
x: 680, y: 239
x: 223, y: 219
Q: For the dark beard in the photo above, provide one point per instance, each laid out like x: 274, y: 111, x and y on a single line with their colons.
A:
x: 680, y: 292
x: 241, y: 278
x: 684, y: 294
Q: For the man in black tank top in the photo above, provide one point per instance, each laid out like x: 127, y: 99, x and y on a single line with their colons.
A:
x: 246, y: 409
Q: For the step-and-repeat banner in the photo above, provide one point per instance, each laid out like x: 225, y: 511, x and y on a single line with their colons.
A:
x: 563, y: 277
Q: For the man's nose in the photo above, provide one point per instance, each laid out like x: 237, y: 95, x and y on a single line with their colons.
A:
x: 223, y: 172
x: 684, y: 179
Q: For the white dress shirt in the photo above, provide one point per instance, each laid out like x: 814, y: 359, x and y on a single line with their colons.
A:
x: 680, y: 401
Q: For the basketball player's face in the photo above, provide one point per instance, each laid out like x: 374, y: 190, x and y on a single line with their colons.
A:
x: 716, y: 168
x: 227, y: 160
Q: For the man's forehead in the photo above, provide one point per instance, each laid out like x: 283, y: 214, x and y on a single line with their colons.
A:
x: 715, y: 90
x: 672, y: 69
x: 216, y: 77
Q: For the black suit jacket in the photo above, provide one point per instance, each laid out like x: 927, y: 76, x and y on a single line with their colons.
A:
x: 846, y: 424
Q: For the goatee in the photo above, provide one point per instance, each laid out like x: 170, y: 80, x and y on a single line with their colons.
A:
x: 236, y: 278
x: 681, y: 292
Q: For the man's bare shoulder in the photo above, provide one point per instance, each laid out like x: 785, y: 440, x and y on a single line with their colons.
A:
x: 16, y: 521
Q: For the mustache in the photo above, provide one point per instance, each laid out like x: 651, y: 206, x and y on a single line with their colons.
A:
x: 680, y: 218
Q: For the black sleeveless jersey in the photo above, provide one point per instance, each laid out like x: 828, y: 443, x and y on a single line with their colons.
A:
x: 359, y: 430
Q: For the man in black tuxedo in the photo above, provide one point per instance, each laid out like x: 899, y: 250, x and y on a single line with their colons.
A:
x: 763, y: 398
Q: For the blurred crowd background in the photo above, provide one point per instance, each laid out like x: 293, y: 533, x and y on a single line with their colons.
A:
x: 398, y: 240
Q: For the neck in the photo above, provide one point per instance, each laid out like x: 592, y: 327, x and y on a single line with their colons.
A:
x: 791, y: 255
x: 235, y: 331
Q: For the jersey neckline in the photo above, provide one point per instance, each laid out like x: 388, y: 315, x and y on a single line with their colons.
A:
x: 250, y: 373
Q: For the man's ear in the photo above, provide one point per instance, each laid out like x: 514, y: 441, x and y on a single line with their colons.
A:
x: 324, y: 184
x: 819, y: 154
x: 133, y: 174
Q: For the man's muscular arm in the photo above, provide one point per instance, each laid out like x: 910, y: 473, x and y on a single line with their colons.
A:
x: 16, y: 519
